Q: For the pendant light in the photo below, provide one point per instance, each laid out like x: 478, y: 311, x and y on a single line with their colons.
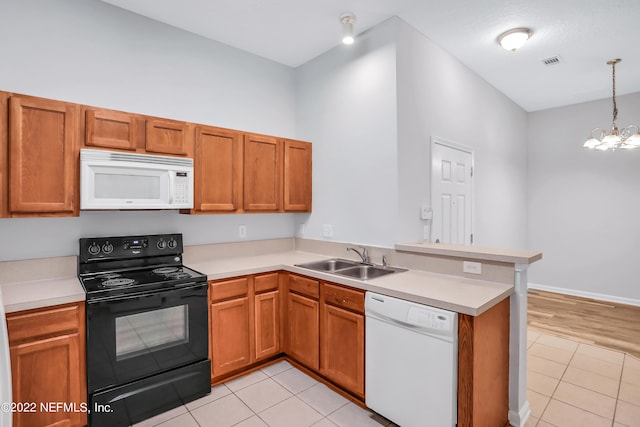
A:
x: 628, y: 137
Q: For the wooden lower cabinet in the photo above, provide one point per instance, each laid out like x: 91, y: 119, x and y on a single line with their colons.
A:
x: 230, y: 325
x: 483, y: 367
x: 245, y: 322
x: 322, y: 327
x: 47, y: 349
x: 267, y: 324
x: 230, y: 335
x: 342, y: 348
x: 342, y: 337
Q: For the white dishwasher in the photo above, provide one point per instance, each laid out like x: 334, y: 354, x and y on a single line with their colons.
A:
x: 411, y: 363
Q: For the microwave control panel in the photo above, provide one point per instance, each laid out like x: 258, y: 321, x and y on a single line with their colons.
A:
x: 181, y: 188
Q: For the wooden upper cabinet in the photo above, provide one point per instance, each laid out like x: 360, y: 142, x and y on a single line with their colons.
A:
x: 218, y: 170
x: 167, y: 136
x: 43, y: 157
x: 297, y: 176
x: 4, y: 163
x: 262, y: 173
x: 111, y: 129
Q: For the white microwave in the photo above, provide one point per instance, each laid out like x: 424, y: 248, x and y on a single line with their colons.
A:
x: 119, y: 180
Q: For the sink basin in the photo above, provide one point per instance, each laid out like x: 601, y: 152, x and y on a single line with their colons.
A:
x: 329, y: 265
x: 364, y: 272
x: 348, y: 268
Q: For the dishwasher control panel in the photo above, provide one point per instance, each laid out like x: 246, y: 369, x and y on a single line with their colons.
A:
x: 427, y: 318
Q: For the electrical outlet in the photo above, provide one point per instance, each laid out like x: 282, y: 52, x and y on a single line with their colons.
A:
x: 302, y: 229
x: 242, y: 231
x: 327, y: 230
x: 472, y: 267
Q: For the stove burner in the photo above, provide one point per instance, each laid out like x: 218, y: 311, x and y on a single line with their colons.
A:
x: 107, y: 276
x: 111, y: 283
x: 177, y: 275
x: 165, y: 270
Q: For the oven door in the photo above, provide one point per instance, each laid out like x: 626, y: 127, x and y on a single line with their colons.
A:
x: 132, y: 337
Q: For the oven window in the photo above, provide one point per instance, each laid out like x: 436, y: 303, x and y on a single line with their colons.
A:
x: 152, y: 330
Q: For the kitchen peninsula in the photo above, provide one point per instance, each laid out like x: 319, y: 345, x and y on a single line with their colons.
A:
x: 434, y: 278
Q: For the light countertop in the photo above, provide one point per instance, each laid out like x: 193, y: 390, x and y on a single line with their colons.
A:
x: 514, y: 256
x: 454, y: 293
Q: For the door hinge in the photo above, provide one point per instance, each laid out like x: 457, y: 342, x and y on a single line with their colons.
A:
x: 472, y: 171
x: 472, y: 239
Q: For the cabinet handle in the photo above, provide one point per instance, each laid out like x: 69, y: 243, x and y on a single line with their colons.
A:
x: 342, y: 301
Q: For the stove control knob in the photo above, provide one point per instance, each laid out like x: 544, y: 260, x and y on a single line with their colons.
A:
x: 173, y: 243
x: 161, y: 244
x: 94, y: 248
x: 107, y: 248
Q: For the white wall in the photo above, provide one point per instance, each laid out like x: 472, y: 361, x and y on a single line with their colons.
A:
x: 584, y: 205
x: 439, y: 96
x: 346, y: 102
x: 87, y: 51
x: 371, y: 110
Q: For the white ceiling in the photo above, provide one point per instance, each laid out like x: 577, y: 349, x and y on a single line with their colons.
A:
x: 583, y: 33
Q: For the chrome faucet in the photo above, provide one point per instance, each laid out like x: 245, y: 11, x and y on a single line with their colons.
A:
x: 363, y: 254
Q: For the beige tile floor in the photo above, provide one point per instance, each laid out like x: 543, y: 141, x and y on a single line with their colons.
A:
x: 570, y: 384
x: 276, y: 396
x: 573, y: 384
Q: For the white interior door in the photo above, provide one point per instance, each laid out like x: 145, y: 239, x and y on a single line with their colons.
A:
x: 451, y: 193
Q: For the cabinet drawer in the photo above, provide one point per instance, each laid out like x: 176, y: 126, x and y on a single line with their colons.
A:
x: 34, y: 324
x: 304, y: 286
x: 229, y: 288
x: 351, y: 299
x: 266, y: 282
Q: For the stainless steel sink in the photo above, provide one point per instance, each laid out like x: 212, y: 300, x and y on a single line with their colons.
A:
x: 348, y: 268
x: 364, y: 272
x: 330, y: 265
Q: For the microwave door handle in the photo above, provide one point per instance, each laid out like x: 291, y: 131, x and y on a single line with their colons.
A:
x: 172, y: 185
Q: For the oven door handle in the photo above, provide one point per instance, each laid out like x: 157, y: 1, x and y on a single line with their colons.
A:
x: 189, y: 285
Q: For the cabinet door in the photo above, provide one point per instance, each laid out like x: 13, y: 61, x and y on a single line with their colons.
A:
x: 297, y: 176
x: 218, y: 170
x: 342, y: 348
x: 43, y: 157
x: 167, y: 136
x: 303, y: 330
x: 111, y: 129
x: 262, y: 173
x: 44, y: 371
x: 230, y: 336
x: 4, y: 163
x: 267, y: 321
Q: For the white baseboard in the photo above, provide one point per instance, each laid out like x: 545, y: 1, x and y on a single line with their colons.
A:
x: 592, y: 295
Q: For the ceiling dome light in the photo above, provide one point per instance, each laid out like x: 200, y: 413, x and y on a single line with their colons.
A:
x: 347, y: 20
x: 514, y: 39
x: 628, y: 137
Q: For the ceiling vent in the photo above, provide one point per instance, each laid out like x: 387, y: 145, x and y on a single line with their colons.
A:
x: 553, y: 60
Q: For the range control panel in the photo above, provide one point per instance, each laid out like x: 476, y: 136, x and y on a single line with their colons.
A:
x: 124, y: 247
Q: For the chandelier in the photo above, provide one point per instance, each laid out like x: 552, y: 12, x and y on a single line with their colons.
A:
x: 628, y: 137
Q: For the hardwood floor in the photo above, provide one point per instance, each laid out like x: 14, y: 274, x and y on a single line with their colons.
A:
x: 602, y: 323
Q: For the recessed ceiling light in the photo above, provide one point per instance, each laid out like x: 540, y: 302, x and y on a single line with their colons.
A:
x: 514, y: 39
